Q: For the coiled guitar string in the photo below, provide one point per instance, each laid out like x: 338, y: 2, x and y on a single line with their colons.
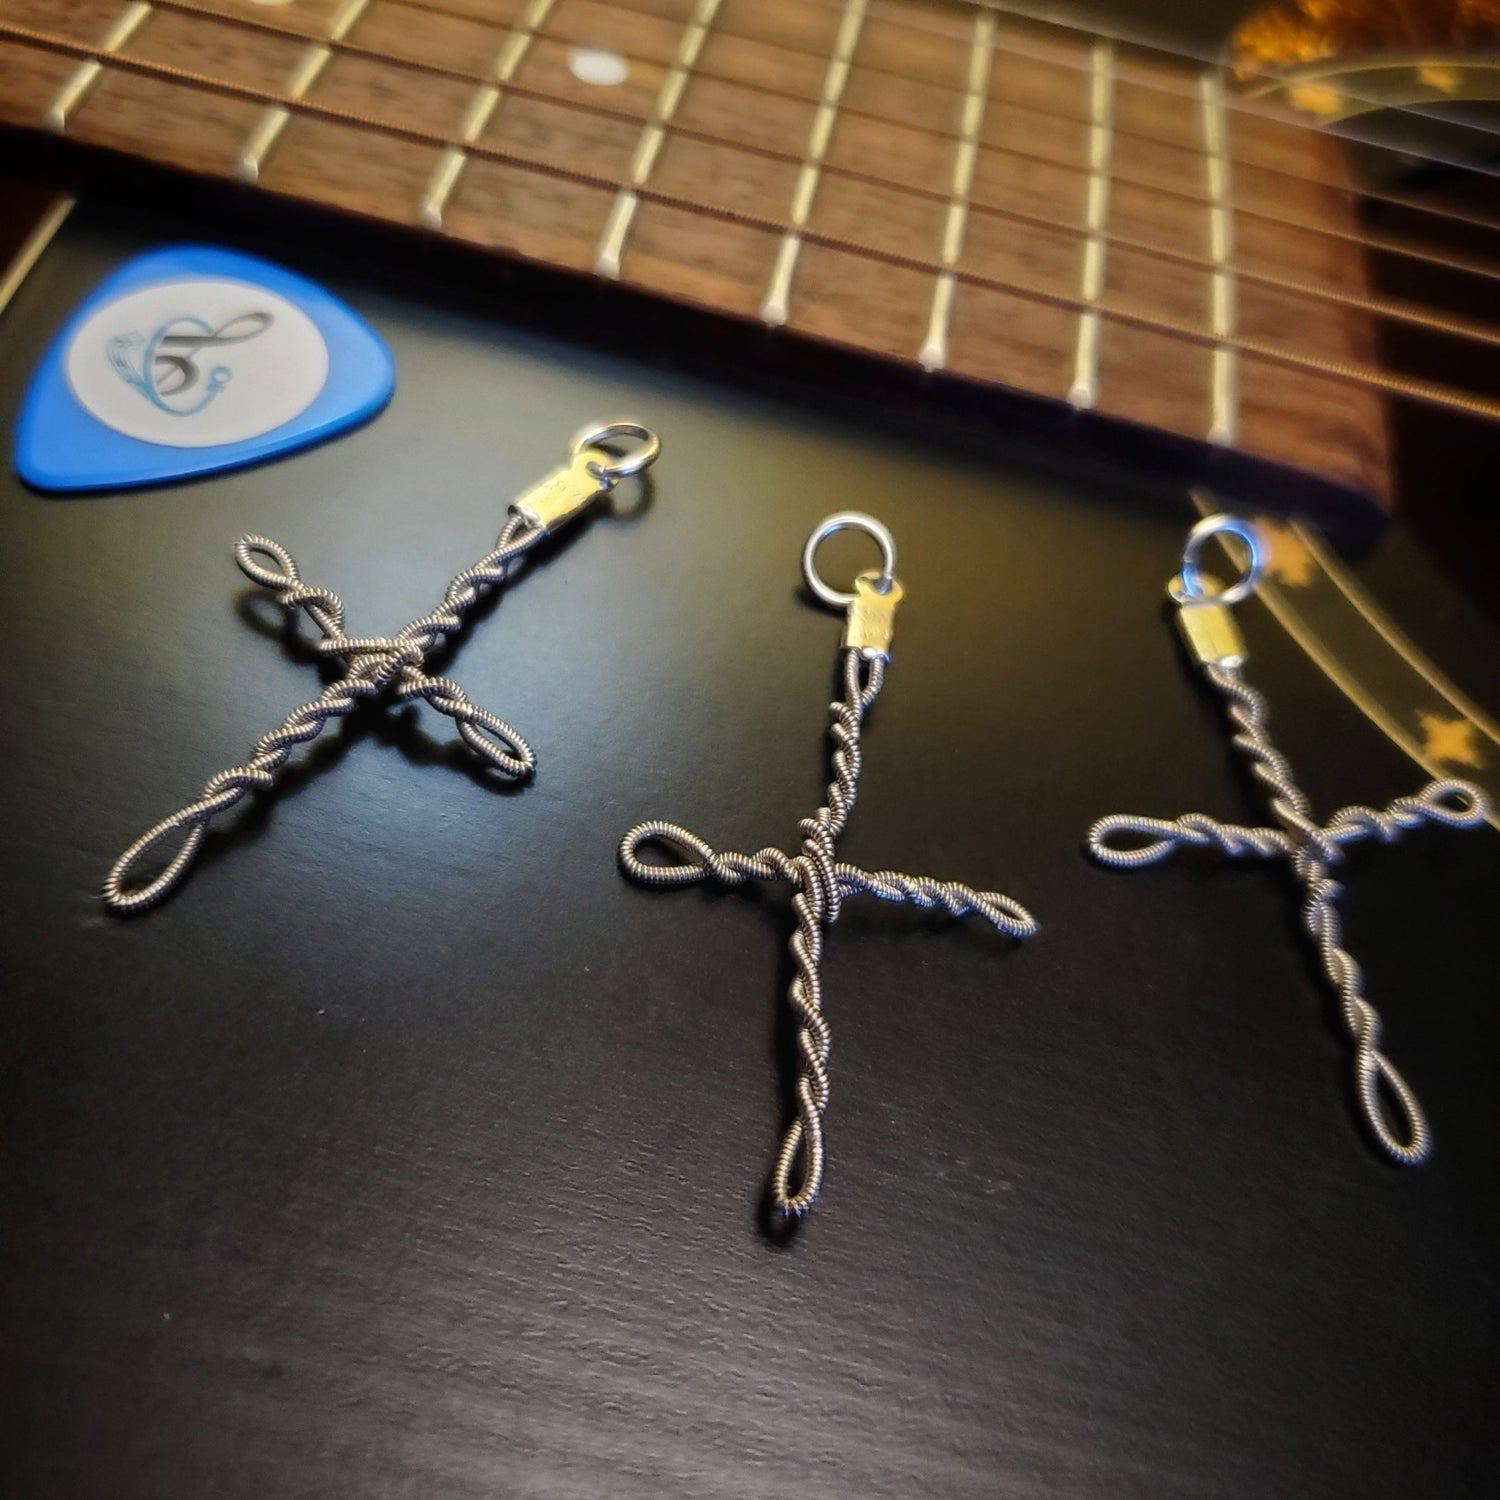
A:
x: 371, y: 665
x: 376, y: 664
x: 1310, y: 850
x: 819, y: 883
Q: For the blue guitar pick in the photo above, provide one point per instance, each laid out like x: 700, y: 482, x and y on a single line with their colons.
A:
x: 194, y: 359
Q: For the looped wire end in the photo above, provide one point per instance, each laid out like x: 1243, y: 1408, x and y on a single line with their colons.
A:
x: 491, y: 738
x: 244, y: 554
x: 818, y: 883
x: 1309, y: 849
x: 322, y: 606
x: 143, y: 897
x: 676, y: 841
x: 1454, y: 803
x: 1005, y: 914
x: 1449, y: 803
x: 373, y: 666
x: 486, y: 734
x: 802, y: 1145
x: 1191, y: 830
x: 1372, y: 1068
x: 1163, y: 835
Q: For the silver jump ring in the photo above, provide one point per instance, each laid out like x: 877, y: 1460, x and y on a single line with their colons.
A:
x: 1187, y: 588
x: 847, y: 520
x: 600, y: 438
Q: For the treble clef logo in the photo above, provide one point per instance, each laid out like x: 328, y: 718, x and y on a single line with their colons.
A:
x: 164, y: 368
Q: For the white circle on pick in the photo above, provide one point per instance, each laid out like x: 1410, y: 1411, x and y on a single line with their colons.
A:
x: 251, y: 384
x: 594, y: 65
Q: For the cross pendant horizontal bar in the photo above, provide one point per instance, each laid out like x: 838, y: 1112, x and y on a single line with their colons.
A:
x: 776, y: 866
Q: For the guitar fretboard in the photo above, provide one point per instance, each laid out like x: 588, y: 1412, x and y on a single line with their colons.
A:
x: 944, y: 186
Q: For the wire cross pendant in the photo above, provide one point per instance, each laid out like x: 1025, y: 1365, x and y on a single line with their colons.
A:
x: 820, y: 882
x: 393, y: 665
x: 1309, y: 848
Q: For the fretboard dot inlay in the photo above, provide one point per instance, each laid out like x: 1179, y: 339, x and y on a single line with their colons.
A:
x: 596, y: 66
x: 947, y: 186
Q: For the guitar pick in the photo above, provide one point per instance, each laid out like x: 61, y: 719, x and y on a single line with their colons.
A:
x: 193, y: 359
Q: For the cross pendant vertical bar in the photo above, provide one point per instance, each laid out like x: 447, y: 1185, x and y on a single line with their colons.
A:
x: 385, y: 665
x: 819, y: 881
x: 1309, y: 849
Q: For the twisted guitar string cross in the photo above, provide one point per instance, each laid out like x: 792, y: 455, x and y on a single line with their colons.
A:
x: 820, y: 882
x: 385, y: 664
x: 1310, y: 849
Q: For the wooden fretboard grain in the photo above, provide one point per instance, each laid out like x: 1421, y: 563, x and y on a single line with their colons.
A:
x: 917, y: 178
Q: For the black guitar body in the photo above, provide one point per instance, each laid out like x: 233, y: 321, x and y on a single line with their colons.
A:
x: 409, y: 1150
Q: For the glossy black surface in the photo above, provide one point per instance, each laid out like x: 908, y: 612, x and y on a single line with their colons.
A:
x: 410, y: 1151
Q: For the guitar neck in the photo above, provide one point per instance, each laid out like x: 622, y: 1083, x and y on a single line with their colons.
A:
x: 943, y: 187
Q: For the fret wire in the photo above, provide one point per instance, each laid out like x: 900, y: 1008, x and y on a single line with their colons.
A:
x: 1085, y: 388
x: 1155, y: 184
x: 1151, y: 81
x: 1425, y: 391
x: 1381, y: 306
x: 1242, y: 107
x: 934, y: 351
x: 612, y: 242
x: 1124, y: 73
x: 1223, y: 423
x: 481, y: 108
x: 268, y: 128
x: 774, y: 309
x: 82, y: 79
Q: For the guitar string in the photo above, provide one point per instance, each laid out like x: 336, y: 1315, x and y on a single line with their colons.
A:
x: 1125, y: 72
x: 1403, y: 248
x: 1078, y: 61
x: 1082, y: 39
x: 1424, y: 391
x: 1197, y: 58
x: 1387, y: 307
x: 1392, y: 308
x: 351, y: 45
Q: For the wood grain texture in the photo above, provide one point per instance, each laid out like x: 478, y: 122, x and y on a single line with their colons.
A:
x: 419, y: 35
x: 219, y: 49
x: 169, y: 124
x: 545, y: 219
x: 305, y: 18
x: 78, y: 20
x: 728, y: 274
x: 567, y: 138
x: 29, y: 81
x: 371, y: 130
